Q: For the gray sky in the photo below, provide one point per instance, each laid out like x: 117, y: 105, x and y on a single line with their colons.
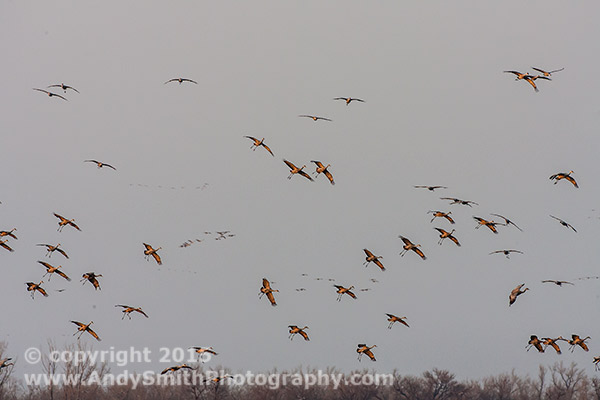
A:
x: 438, y: 111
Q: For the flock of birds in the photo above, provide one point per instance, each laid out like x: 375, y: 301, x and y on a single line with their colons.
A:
x: 266, y: 289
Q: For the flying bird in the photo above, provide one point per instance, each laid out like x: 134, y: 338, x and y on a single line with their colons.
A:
x: 9, y: 233
x: 53, y: 270
x: 51, y: 249
x: 563, y: 175
x: 180, y: 80
x: 6, y: 246
x: 202, y: 350
x: 258, y: 143
x: 82, y: 328
x: 440, y: 214
x: 314, y: 117
x: 547, y: 73
x: 577, y: 341
x: 535, y: 342
x: 459, y: 201
x: 373, y: 258
x: 531, y: 80
x: 50, y: 94
x: 150, y: 251
x: 518, y: 74
x: 127, y: 310
x: 64, y: 222
x: 489, y: 224
x: 563, y: 223
x: 557, y: 283
x: 296, y: 330
x: 512, y: 297
x: 430, y: 188
x: 392, y: 318
x: 342, y: 290
x: 296, y: 170
x: 323, y: 169
x: 175, y: 368
x: 507, y: 221
x: 32, y: 287
x: 364, y: 349
x: 64, y: 87
x: 408, y: 245
x: 91, y: 277
x: 552, y: 342
x: 5, y: 362
x: 267, y: 290
x: 348, y: 100
x: 506, y: 252
x: 100, y: 164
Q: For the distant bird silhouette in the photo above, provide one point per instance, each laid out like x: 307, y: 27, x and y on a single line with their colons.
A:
x: 444, y: 234
x: 51, y: 249
x: 53, y: 270
x: 32, y: 287
x: 547, y: 73
x: 202, y: 350
x: 258, y: 143
x: 267, y: 290
x: 364, y: 349
x: 515, y: 293
x: 82, y: 328
x: 441, y: 214
x: 459, y: 201
x: 535, y: 342
x: 348, y: 100
x: 296, y: 330
x: 430, y: 188
x: 91, y: 277
x: 557, y: 283
x: 64, y: 87
x: 563, y: 223
x: 507, y: 221
x: 392, y: 318
x: 506, y: 252
x: 314, y: 117
x: 296, y: 170
x: 175, y: 368
x: 50, y: 94
x: 150, y: 251
x: 64, y: 222
x: 100, y: 164
x: 180, y: 80
x: 408, y: 245
x: 373, y: 258
x: 127, y: 310
x: 342, y: 290
x: 323, y: 169
x: 564, y: 175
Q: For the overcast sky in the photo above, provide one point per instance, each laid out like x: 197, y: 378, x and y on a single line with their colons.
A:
x: 438, y: 110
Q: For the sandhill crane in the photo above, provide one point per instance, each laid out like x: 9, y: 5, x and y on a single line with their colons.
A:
x: 552, y: 342
x: 150, y: 251
x: 531, y: 80
x: 506, y: 252
x: 364, y: 349
x: 296, y: 170
x: 127, y: 310
x: 5, y: 362
x: 217, y: 379
x: 91, y: 277
x: 314, y: 117
x: 6, y: 246
x: 53, y: 270
x: 596, y: 361
x: 547, y: 73
x: 180, y: 80
x: 9, y: 233
x: 64, y: 87
x: 50, y: 94
x: 204, y: 350
x: 489, y: 224
x: 563, y: 175
x: 512, y: 297
x: 441, y: 214
x: 373, y: 258
x: 175, y: 368
x: 392, y: 318
x: 100, y: 164
x: 224, y: 235
x: 342, y: 290
x: 296, y: 330
x: 51, y: 249
x: 564, y: 223
x: 266, y: 289
x: 507, y: 221
x: 535, y: 342
x: 258, y: 143
x: 408, y: 245
x: 32, y: 287
x: 577, y: 341
x: 323, y: 169
x: 519, y: 75
x: 444, y: 234
x: 63, y: 222
x: 558, y: 283
x: 430, y: 188
x: 459, y: 201
x: 348, y: 100
x: 82, y: 328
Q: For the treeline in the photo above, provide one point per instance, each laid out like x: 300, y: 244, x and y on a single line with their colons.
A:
x: 556, y: 382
